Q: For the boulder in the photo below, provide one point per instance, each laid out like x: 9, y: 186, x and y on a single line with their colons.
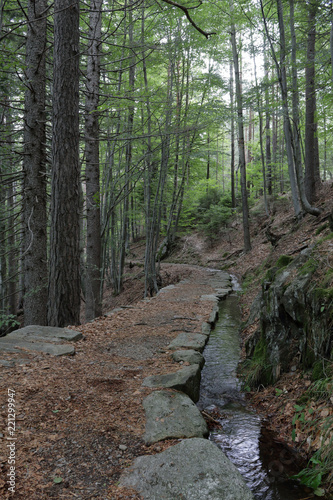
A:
x: 172, y: 415
x: 194, y: 469
x: 186, y: 380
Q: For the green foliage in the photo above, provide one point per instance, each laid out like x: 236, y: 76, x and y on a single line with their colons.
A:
x: 7, y: 322
x: 257, y: 370
x: 213, y: 210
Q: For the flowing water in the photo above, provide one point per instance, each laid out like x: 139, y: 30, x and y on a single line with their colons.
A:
x: 264, y: 464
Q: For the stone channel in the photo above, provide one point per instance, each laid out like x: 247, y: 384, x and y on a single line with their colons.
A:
x: 195, y: 468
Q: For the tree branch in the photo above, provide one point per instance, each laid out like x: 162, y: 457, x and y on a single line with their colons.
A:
x: 186, y: 12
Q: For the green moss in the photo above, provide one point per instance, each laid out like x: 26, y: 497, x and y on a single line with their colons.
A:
x: 309, y: 267
x: 324, y: 294
x: 322, y: 228
x: 328, y: 278
x: 270, y: 274
x: 283, y: 261
x: 326, y: 238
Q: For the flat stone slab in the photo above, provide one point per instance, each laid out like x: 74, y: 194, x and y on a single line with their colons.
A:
x: 189, y: 356
x: 45, y: 333
x: 222, y: 293
x: 194, y: 469
x: 186, y: 380
x: 172, y: 415
x: 211, y: 298
x: 187, y: 340
x: 16, y: 344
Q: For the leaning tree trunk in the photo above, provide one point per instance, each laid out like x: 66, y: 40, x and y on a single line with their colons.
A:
x: 64, y: 277
x: 93, y: 269
x: 34, y: 169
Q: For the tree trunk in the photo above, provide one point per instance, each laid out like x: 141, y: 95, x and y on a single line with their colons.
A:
x: 312, y: 176
x: 296, y: 128
x: 93, y: 269
x: 128, y: 159
x: 232, y: 138
x: 64, y: 277
x: 241, y: 146
x: 267, y: 127
x: 34, y: 169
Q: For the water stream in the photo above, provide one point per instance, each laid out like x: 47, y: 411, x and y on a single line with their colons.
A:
x: 264, y: 465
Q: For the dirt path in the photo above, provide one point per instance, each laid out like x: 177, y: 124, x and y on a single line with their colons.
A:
x: 79, y: 420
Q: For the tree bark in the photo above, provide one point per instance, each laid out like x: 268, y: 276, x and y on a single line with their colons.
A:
x: 312, y: 176
x: 306, y: 206
x: 241, y: 146
x: 34, y: 169
x: 93, y: 267
x: 64, y: 277
x: 232, y: 138
x: 268, y: 127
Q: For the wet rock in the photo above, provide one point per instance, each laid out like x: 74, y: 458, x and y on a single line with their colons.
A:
x: 189, y: 356
x: 222, y: 293
x: 186, y: 380
x: 172, y: 415
x: 214, y: 315
x: 206, y: 328
x: 194, y: 469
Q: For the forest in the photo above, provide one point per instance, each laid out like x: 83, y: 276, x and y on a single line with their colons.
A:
x: 133, y: 119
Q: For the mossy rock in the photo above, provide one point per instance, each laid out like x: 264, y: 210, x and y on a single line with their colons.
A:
x: 309, y: 267
x: 284, y: 261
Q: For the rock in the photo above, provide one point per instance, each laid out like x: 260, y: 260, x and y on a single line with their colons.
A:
x: 190, y: 341
x: 222, y: 293
x: 211, y: 298
x: 186, y: 380
x: 122, y: 447
x: 172, y: 415
x: 194, y: 469
x: 6, y: 363
x: 189, y: 356
x: 48, y: 333
x: 206, y: 328
x: 214, y: 315
x: 293, y: 308
x: 37, y: 338
x: 15, y: 344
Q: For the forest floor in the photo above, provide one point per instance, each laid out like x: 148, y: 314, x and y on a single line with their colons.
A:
x: 80, y: 420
